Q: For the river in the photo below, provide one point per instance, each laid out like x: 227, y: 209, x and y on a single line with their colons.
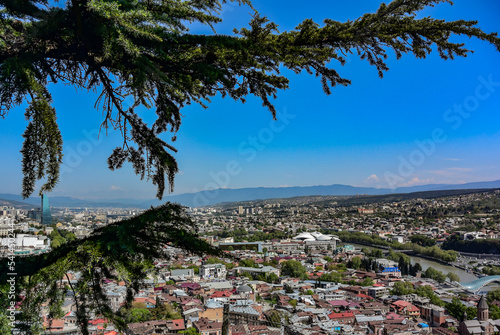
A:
x: 425, y: 263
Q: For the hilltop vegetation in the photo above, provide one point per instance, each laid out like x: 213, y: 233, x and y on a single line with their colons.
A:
x: 430, y: 251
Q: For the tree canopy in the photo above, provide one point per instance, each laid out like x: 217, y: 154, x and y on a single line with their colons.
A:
x: 141, y: 53
x: 122, y: 251
x: 294, y: 269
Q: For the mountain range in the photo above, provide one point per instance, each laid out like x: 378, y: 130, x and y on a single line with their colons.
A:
x: 206, y: 198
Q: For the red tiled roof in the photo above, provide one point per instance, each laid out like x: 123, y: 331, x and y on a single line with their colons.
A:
x: 177, y: 324
x: 54, y: 323
x: 364, y: 296
x: 401, y: 303
x: 98, y: 321
x: 341, y: 315
x: 412, y: 308
x: 221, y: 294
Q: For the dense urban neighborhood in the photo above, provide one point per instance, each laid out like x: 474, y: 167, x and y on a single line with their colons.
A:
x: 413, y: 264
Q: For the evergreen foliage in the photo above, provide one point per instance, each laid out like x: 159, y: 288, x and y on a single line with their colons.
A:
x: 140, y: 53
x: 405, y: 288
x: 374, y: 240
x: 293, y: 269
x: 481, y: 246
x: 493, y: 295
x: 457, y: 309
x: 434, y: 274
x: 123, y: 251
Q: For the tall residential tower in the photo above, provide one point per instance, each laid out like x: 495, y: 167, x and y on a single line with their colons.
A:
x: 46, y: 216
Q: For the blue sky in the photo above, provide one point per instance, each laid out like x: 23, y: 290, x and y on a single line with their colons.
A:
x: 426, y: 121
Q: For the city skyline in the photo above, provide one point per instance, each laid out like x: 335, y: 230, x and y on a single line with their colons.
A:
x: 426, y: 122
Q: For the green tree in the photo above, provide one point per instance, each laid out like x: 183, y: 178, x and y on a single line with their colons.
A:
x: 331, y: 277
x: 457, y: 309
x: 404, y: 264
x: 214, y: 260
x: 355, y: 262
x: 247, y: 274
x: 140, y: 54
x: 402, y: 288
x: 137, y: 315
x: 415, y: 268
x: 195, y: 268
x: 57, y: 242
x: 272, y: 278
x: 294, y: 269
x: 249, y: 263
x: 494, y: 312
x: 54, y: 234
x: 5, y: 322
x: 189, y: 331
x: 493, y: 295
x: 367, y: 282
x: 427, y: 291
x: 453, y: 277
x: 434, y: 274
x: 165, y: 312
x: 422, y: 240
x: 120, y: 251
x: 142, y: 50
x: 376, y: 253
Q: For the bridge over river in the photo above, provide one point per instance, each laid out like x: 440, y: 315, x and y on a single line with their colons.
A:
x: 477, y: 284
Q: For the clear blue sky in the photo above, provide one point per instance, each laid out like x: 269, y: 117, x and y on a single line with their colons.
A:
x: 401, y: 130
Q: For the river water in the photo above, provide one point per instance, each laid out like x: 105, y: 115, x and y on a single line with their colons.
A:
x: 425, y: 263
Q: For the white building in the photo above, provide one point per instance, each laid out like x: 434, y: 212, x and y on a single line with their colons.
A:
x: 27, y: 241
x: 377, y: 292
x: 213, y: 271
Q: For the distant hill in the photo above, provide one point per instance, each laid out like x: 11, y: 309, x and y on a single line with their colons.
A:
x: 34, y: 202
x: 246, y: 194
x: 16, y: 204
x: 354, y: 200
x: 388, y: 198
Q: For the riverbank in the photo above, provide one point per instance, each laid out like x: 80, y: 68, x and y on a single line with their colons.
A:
x: 434, y: 252
x: 426, y: 262
x: 407, y: 252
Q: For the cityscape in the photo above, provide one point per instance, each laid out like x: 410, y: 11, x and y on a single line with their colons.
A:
x: 303, y: 265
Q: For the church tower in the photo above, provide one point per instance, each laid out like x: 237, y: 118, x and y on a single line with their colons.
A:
x: 482, y: 310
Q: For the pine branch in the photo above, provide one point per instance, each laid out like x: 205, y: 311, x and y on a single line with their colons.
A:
x: 124, y: 251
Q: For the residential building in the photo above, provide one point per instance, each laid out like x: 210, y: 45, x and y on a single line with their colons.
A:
x: 210, y: 271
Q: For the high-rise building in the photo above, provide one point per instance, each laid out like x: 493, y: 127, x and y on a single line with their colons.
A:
x: 46, y: 216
